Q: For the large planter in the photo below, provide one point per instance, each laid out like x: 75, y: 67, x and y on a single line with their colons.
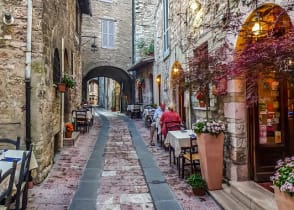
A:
x: 284, y: 200
x: 211, y: 159
x: 68, y: 134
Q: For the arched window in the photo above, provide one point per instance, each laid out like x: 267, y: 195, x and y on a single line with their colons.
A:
x: 56, y: 67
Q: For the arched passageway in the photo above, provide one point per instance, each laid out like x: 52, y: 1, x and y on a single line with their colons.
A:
x: 119, y: 75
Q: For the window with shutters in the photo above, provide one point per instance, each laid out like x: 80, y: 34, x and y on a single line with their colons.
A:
x: 108, y: 34
x: 166, y: 49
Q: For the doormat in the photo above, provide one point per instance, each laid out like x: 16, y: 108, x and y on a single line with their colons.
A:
x: 267, y: 186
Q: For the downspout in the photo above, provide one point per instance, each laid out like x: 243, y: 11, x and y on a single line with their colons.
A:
x: 133, y: 49
x: 62, y: 95
x: 28, y: 63
x: 133, y: 31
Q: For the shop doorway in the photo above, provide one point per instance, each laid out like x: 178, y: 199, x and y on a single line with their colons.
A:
x: 271, y: 133
x: 270, y: 126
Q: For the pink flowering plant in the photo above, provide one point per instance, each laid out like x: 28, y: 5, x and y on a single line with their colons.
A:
x: 212, y: 127
x: 284, y: 175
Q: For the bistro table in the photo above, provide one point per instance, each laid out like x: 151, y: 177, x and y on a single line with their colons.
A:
x: 6, y: 162
x: 179, y: 139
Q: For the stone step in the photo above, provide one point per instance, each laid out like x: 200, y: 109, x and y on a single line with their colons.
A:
x: 226, y: 200
x: 253, y: 196
x: 71, y: 141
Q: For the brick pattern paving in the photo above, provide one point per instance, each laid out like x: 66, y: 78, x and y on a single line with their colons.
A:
x: 57, y: 190
x: 122, y: 185
x: 180, y: 188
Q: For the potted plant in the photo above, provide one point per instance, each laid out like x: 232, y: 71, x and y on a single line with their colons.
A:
x: 197, y: 183
x: 69, y: 128
x: 68, y: 80
x: 283, y: 181
x: 210, y: 140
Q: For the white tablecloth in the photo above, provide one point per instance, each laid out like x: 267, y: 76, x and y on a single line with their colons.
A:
x: 88, y: 115
x: 133, y: 107
x: 179, y: 139
x: 5, y: 165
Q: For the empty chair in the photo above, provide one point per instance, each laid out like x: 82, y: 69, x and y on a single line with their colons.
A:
x: 5, y: 195
x: 81, y: 121
x: 15, y: 143
x: 21, y: 193
x: 191, y: 156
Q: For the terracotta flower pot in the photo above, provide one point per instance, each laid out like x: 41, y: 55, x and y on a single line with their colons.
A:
x: 198, y: 191
x: 61, y: 87
x: 284, y: 200
x: 211, y: 159
x: 68, y: 134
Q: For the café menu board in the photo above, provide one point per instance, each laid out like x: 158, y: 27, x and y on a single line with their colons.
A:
x: 269, y: 112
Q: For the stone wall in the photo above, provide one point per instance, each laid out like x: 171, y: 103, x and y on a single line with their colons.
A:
x: 121, y: 12
x: 12, y: 69
x: 52, y: 21
x: 144, y: 27
x: 189, y: 29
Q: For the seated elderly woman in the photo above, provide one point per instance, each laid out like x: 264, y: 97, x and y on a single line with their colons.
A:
x: 170, y: 116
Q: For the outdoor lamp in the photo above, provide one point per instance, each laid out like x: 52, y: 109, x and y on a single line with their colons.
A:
x: 176, y: 69
x: 158, y: 79
x: 195, y: 5
x: 256, y: 29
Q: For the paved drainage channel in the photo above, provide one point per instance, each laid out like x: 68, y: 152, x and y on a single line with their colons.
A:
x: 86, y: 194
x: 162, y: 196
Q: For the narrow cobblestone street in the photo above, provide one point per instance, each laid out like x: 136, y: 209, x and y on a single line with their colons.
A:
x: 125, y: 179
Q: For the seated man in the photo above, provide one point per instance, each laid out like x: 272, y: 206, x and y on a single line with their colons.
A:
x: 158, y: 112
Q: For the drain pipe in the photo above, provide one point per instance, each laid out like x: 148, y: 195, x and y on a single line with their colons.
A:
x: 62, y: 95
x: 28, y: 62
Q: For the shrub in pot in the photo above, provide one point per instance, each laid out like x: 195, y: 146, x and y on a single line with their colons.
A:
x: 197, y: 183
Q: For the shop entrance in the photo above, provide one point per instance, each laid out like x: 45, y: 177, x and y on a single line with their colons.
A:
x: 271, y: 132
x: 270, y: 122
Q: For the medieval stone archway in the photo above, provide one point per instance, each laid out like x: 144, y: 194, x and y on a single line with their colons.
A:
x: 119, y: 75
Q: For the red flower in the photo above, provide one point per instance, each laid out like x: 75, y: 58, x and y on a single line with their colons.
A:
x: 199, y: 95
x: 69, y: 127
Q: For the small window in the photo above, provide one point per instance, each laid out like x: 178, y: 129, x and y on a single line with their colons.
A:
x: 56, y: 67
x: 107, y: 33
x: 166, y: 43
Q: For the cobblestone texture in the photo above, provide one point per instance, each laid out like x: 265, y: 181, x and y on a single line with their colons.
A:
x: 122, y: 185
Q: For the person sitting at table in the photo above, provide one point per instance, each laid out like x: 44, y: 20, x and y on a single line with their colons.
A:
x: 158, y: 112
x: 170, y: 115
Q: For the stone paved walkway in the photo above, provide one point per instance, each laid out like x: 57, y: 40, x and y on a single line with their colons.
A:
x: 57, y: 190
x: 121, y: 182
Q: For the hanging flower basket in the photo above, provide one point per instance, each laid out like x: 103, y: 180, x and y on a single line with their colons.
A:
x: 61, y: 87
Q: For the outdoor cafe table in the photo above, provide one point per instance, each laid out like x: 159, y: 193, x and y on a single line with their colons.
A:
x: 89, y: 115
x: 178, y: 140
x: 6, y: 163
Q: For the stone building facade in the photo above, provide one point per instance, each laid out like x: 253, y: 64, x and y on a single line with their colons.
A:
x: 110, y: 28
x: 55, y: 49
x: 143, y: 50
x: 214, y: 23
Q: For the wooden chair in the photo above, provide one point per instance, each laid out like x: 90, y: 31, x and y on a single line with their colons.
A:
x: 81, y: 121
x: 21, y: 193
x: 172, y: 126
x: 11, y: 142
x: 5, y: 196
x: 191, y: 155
